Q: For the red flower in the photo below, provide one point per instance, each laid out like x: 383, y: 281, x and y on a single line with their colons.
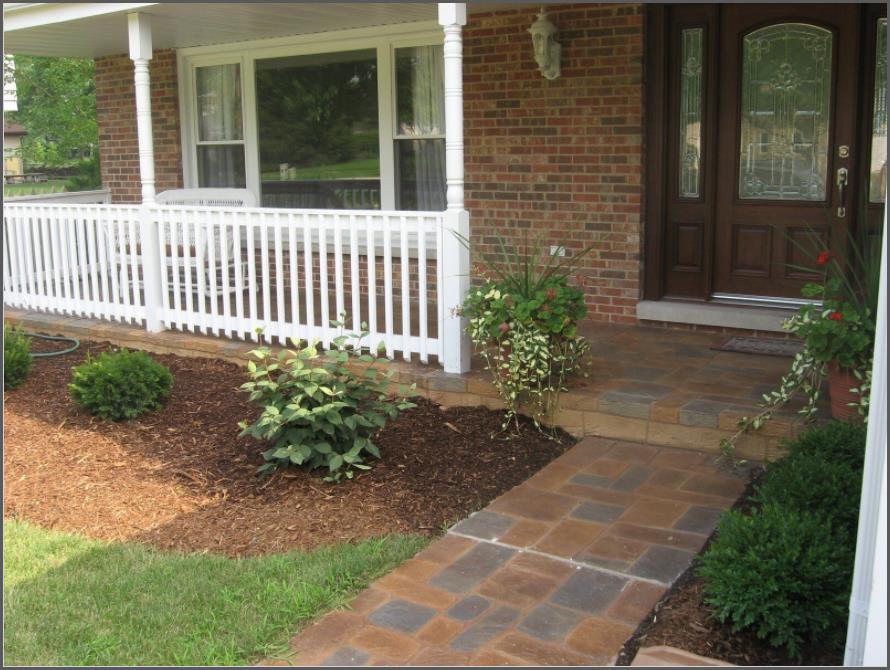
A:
x: 551, y: 293
x: 836, y: 316
x: 504, y: 327
x: 823, y: 257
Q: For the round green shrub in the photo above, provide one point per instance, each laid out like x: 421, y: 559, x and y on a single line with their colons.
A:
x: 812, y: 482
x: 836, y: 441
x: 120, y: 385
x: 17, y: 359
x: 782, y: 573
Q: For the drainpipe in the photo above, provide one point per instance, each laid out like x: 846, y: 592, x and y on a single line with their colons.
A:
x: 867, y: 627
x: 455, y: 254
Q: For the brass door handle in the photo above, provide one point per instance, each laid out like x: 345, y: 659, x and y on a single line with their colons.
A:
x: 842, y: 178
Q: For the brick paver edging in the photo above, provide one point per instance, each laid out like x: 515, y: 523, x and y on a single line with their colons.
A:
x: 560, y: 570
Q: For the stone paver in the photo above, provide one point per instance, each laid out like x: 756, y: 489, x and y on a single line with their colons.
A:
x: 670, y: 656
x: 558, y: 571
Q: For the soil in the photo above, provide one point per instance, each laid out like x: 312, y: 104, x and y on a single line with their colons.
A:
x: 181, y: 479
x: 682, y: 620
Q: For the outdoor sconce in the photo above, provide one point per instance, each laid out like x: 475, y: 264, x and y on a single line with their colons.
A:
x: 547, y: 49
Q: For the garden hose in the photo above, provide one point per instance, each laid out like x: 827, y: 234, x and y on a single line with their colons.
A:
x: 54, y: 337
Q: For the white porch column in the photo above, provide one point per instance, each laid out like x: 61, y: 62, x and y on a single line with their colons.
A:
x: 867, y: 626
x: 139, y: 26
x: 140, y: 53
x: 456, y: 261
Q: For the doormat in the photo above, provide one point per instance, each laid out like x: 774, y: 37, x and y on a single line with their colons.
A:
x: 765, y: 346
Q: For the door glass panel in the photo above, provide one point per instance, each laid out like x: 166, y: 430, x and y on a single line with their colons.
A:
x: 877, y: 191
x: 221, y: 166
x: 319, y: 143
x: 690, y: 111
x: 219, y: 102
x: 786, y: 96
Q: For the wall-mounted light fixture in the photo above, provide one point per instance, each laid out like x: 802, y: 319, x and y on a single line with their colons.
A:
x: 547, y: 49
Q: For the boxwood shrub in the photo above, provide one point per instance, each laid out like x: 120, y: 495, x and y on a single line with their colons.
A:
x: 17, y: 359
x: 784, y: 570
x: 120, y: 385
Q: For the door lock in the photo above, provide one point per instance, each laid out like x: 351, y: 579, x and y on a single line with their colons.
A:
x: 843, y: 151
x: 842, y: 177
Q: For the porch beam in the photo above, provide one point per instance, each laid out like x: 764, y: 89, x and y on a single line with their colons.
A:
x: 455, y: 244
x: 139, y: 26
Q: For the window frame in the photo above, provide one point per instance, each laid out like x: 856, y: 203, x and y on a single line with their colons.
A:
x: 383, y: 39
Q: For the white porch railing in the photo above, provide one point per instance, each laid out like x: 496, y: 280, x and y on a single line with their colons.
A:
x: 225, y: 272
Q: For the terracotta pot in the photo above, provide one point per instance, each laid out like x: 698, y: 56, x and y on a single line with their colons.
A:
x: 840, y: 381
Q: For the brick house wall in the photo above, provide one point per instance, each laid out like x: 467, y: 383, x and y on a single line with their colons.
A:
x: 116, y: 115
x: 560, y: 158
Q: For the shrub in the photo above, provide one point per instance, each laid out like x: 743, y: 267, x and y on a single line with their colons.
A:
x: 836, y: 441
x: 120, y: 385
x: 17, y: 359
x: 317, y: 411
x: 781, y: 572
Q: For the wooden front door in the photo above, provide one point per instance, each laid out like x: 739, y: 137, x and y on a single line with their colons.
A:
x: 769, y: 129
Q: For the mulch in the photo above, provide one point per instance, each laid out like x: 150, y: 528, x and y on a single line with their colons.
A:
x: 683, y: 620
x: 181, y: 479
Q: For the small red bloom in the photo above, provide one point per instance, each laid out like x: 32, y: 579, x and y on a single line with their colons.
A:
x: 823, y: 257
x: 836, y: 316
x: 551, y: 293
x: 504, y: 327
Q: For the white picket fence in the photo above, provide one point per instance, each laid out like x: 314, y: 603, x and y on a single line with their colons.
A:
x: 227, y: 272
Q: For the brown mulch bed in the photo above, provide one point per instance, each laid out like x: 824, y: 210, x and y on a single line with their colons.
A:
x: 180, y: 478
x: 682, y: 620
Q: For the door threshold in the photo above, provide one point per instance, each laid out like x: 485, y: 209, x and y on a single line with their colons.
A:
x: 742, y: 317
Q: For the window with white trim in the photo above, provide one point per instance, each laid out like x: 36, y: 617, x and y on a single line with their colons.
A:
x: 320, y: 128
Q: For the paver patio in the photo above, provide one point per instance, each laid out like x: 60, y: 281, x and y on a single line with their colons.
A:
x: 558, y: 571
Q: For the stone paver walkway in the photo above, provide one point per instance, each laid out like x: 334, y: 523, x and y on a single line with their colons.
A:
x: 558, y: 571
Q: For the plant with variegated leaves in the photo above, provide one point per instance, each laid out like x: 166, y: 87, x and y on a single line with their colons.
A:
x: 321, y: 409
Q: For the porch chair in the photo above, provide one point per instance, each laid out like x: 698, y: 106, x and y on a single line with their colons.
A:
x: 197, y: 197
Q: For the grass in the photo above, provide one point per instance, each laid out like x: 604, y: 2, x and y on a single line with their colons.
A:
x: 368, y: 168
x: 70, y: 600
x: 40, y: 188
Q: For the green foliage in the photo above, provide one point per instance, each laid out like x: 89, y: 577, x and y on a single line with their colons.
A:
x: 321, y: 409
x: 781, y: 573
x: 17, y: 359
x: 88, y: 178
x: 523, y: 321
x: 785, y: 570
x: 57, y: 105
x: 120, y: 385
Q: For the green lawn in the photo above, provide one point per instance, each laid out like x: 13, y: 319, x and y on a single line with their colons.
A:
x: 51, y: 186
x: 75, y: 601
x: 368, y: 168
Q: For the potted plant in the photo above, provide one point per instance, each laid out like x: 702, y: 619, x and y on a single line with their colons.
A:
x: 523, y: 321
x: 838, y: 332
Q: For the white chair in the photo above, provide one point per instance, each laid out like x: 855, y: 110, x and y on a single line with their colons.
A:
x: 207, y: 197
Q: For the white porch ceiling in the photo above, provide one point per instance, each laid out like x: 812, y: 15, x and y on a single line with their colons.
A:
x: 98, y: 29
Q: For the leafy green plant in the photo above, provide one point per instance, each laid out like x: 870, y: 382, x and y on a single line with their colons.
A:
x: 120, y: 385
x: 838, y: 328
x: 523, y: 321
x: 321, y: 409
x: 782, y: 573
x: 17, y: 359
x: 785, y: 570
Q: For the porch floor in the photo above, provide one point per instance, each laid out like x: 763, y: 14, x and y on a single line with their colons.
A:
x: 648, y: 385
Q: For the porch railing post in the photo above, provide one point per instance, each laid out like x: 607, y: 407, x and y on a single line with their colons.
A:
x: 150, y: 259
x: 455, y: 249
